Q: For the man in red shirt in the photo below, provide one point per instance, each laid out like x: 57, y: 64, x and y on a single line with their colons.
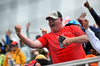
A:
x: 74, y: 37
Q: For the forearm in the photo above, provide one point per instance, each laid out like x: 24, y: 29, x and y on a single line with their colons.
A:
x: 95, y: 42
x: 27, y: 33
x: 30, y: 43
x: 80, y: 39
x: 7, y: 40
x: 95, y: 16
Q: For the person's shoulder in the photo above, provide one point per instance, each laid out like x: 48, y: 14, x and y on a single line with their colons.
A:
x: 20, y: 53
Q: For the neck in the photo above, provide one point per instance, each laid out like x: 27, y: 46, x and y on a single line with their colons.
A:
x: 58, y: 29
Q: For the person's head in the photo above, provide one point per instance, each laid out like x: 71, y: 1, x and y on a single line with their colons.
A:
x: 40, y: 56
x: 0, y: 44
x: 55, y: 20
x: 74, y: 22
x: 37, y: 36
x: 14, y: 45
x: 6, y: 47
x: 43, y: 62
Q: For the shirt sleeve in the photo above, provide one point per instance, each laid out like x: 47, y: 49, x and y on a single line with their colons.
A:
x: 95, y: 16
x: 95, y: 42
x: 43, y: 40
x: 7, y: 40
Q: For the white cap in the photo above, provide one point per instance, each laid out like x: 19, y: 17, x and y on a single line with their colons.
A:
x: 54, y: 14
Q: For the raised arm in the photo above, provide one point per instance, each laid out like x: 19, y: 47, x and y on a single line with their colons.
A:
x: 93, y: 13
x: 8, y: 37
x: 27, y: 41
x: 83, y: 14
x: 95, y: 42
x: 27, y: 29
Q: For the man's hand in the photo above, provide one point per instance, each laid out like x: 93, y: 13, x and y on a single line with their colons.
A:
x: 86, y: 4
x: 43, y: 31
x: 8, y: 32
x: 66, y: 42
x: 18, y: 29
x: 83, y: 14
x: 9, y: 56
x: 85, y: 23
x: 94, y: 25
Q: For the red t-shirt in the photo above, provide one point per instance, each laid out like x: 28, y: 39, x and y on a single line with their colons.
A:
x: 72, y: 52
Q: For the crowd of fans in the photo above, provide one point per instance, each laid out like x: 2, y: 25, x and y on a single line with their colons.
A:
x: 84, y: 40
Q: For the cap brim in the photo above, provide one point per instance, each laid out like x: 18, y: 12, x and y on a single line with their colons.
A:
x: 13, y: 45
x: 51, y: 17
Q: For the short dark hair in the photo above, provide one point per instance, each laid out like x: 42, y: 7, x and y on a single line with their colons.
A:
x: 37, y: 36
x: 43, y: 62
x: 0, y: 44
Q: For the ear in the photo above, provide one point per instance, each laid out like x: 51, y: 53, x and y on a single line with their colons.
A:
x: 61, y: 19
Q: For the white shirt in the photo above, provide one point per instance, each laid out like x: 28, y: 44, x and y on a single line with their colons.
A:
x: 95, y: 42
x: 26, y: 50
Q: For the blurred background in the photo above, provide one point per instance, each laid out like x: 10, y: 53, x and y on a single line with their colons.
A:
x: 13, y: 12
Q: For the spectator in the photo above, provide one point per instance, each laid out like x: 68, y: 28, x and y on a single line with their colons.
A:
x: 76, y: 23
x: 34, y: 63
x: 95, y: 42
x: 93, y: 54
x: 43, y: 62
x: 41, y: 51
x: 27, y: 52
x: 8, y: 37
x: 93, y: 13
x: 40, y: 56
x: 39, y: 62
x: 1, y: 55
x: 6, y: 49
x: 7, y: 42
x: 73, y: 37
x: 15, y: 56
x: 0, y: 48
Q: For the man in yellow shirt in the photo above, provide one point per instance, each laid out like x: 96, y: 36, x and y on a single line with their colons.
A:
x: 15, y: 56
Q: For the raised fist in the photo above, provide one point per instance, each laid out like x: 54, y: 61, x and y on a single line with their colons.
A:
x: 18, y: 29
